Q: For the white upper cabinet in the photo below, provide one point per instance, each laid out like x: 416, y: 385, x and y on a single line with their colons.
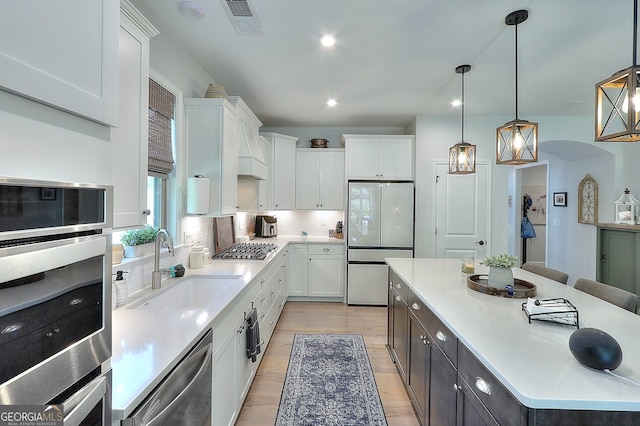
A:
x: 64, y: 55
x: 320, y: 179
x: 129, y: 141
x: 212, y: 150
x: 379, y: 157
x: 279, y: 193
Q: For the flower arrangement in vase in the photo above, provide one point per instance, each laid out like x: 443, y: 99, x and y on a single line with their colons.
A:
x: 500, y: 273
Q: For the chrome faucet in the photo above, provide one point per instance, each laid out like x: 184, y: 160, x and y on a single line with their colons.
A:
x: 163, y: 238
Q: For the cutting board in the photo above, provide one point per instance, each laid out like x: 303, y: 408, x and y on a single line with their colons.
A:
x: 224, y: 234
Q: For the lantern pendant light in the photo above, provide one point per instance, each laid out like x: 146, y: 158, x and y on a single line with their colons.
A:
x: 517, y: 140
x: 616, y: 121
x: 462, y: 156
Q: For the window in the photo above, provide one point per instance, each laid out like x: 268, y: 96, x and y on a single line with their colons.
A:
x: 161, y: 143
x: 157, y: 201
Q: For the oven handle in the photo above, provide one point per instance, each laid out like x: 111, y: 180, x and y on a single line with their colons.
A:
x: 89, y: 397
x: 50, y: 256
x: 185, y: 393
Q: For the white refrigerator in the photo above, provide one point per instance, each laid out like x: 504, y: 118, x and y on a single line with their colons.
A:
x: 380, y: 223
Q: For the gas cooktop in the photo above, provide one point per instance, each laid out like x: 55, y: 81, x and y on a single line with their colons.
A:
x: 246, y: 251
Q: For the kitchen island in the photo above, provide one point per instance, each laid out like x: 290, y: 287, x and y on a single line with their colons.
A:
x: 530, y: 361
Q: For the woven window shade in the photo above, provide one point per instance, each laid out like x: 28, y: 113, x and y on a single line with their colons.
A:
x: 161, y: 107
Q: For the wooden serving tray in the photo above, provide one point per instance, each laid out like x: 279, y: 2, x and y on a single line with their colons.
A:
x: 521, y: 288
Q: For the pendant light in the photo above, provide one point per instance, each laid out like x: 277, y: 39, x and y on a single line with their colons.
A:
x: 615, y: 120
x: 462, y: 156
x: 517, y: 140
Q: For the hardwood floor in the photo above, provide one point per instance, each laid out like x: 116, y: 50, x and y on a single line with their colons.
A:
x: 261, y: 404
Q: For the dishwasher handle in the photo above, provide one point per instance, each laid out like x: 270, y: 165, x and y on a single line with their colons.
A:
x: 169, y: 408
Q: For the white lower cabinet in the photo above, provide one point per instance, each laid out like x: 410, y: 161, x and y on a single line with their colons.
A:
x: 316, y: 271
x: 225, y: 391
x: 298, y: 267
x: 233, y: 371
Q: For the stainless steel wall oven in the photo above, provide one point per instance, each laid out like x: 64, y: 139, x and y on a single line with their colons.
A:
x: 55, y: 297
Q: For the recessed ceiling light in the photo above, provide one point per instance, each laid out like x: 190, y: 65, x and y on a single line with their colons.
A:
x: 332, y: 102
x: 327, y: 40
x: 456, y: 103
x: 191, y: 10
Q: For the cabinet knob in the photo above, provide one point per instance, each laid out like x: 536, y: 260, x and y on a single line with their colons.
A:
x: 441, y: 336
x: 326, y: 250
x: 483, y: 386
x: 415, y: 306
x: 398, y: 299
x: 146, y: 212
x: 457, y: 387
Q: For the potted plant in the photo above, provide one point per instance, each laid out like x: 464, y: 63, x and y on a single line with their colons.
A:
x: 500, y: 273
x: 139, y: 242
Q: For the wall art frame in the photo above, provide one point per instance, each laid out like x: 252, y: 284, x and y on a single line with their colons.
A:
x: 588, y: 201
x: 560, y: 199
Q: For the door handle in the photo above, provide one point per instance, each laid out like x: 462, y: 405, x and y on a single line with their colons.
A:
x: 481, y: 242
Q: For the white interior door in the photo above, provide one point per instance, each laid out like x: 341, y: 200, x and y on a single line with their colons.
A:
x: 462, y: 212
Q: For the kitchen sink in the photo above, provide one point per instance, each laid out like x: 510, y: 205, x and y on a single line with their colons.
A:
x: 192, y: 292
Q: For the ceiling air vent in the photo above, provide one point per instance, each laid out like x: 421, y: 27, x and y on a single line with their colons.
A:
x: 242, y: 16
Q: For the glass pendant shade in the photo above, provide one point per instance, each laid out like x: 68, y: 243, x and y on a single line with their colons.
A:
x: 517, y: 143
x: 462, y: 158
x: 615, y: 121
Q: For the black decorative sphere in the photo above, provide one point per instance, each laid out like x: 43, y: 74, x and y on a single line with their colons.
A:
x: 595, y: 348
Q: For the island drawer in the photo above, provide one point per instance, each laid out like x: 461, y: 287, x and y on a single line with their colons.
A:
x: 399, y: 286
x: 440, y: 333
x: 499, y: 401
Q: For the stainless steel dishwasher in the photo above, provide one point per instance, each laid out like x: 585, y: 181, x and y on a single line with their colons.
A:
x: 184, y: 396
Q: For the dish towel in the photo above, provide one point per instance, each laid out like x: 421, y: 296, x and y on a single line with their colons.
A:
x: 253, y: 335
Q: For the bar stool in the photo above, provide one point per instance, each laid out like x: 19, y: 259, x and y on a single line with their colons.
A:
x: 552, y: 274
x: 614, y: 295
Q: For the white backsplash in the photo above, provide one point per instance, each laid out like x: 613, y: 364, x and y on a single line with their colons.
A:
x: 315, y: 223
x: 139, y: 269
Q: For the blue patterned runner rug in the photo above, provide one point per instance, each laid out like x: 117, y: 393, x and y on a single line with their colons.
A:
x: 329, y: 382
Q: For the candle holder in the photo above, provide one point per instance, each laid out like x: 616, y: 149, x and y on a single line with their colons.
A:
x: 468, y: 265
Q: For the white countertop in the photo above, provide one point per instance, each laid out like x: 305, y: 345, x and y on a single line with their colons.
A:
x: 148, y: 343
x: 532, y: 360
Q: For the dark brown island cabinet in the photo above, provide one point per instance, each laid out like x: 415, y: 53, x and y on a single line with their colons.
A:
x: 448, y: 385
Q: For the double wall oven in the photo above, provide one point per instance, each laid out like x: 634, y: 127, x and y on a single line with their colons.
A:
x: 55, y: 297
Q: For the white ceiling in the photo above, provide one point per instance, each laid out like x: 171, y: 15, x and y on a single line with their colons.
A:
x: 395, y: 59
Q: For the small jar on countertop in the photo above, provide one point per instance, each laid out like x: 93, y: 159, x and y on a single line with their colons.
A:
x: 196, y: 257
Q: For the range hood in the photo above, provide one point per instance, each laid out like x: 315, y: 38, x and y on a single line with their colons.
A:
x: 252, y: 154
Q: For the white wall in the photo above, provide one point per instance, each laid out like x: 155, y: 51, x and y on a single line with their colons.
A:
x: 571, y: 246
